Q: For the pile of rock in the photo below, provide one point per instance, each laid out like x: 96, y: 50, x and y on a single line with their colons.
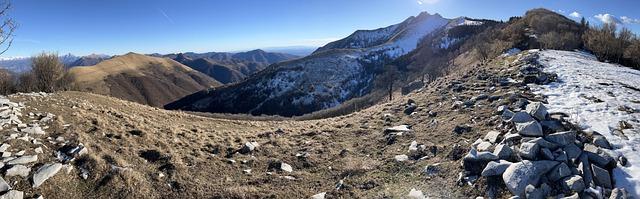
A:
x: 532, y: 72
x: 538, y: 155
x: 24, y: 145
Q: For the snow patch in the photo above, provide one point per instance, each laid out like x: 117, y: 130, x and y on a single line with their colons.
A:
x: 598, y: 96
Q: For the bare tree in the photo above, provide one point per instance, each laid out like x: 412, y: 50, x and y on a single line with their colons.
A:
x: 633, y: 53
x: 47, y: 70
x: 7, y: 28
x: 27, y: 82
x: 387, y: 79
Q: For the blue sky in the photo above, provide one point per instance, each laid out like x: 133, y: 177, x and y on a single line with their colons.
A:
x: 118, y: 26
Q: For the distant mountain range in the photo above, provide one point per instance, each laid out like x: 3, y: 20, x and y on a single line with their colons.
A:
x: 337, y: 72
x: 22, y: 64
x: 229, y: 67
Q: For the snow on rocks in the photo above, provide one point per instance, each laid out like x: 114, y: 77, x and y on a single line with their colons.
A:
x: 598, y: 97
x: 538, y: 148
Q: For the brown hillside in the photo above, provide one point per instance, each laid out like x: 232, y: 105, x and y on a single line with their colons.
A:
x: 143, y: 79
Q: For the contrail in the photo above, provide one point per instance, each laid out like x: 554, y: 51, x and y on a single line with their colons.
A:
x: 166, y: 16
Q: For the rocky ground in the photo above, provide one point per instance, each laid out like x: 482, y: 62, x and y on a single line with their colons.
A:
x: 419, y: 145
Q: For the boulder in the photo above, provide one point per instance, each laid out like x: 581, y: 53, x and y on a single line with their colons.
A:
x: 492, y: 136
x: 559, y: 172
x: 544, y: 143
x: 410, y: 108
x: 18, y: 170
x: 495, y: 168
x: 584, y: 169
x: 572, y: 151
x: 501, y: 109
x: 24, y: 160
x: 573, y: 184
x: 13, y: 194
x: 503, y: 152
x: 45, y: 172
x: 601, y: 177
x: 552, y: 126
x: 507, y: 114
x: 601, y: 141
x: 562, y: 138
x: 531, y: 128
x: 537, y: 110
x: 475, y: 161
x: 531, y: 192
x: 521, y: 117
x: 529, y: 150
x: 519, y: 175
x: 574, y: 196
x: 598, y: 157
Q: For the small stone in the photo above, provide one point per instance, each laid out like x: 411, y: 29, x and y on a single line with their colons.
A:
x: 319, y: 195
x: 512, y: 138
x: 601, y: 177
x: 401, y: 158
x: 248, y: 147
x: 400, y: 128
x: 20, y: 153
x: 431, y: 169
x: 495, y: 168
x: 4, y: 147
x: 521, y: 117
x: 38, y: 150
x: 574, y: 183
x: 286, y: 167
x: 45, y: 172
x: 507, y: 115
x: 415, y: 194
x: 573, y: 152
x: 531, y: 128
x: 475, y: 161
x: 18, y: 170
x: 552, y: 126
x: 492, y: 136
x: 531, y: 192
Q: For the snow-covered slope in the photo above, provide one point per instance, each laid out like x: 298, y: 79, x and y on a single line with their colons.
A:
x: 599, y: 96
x: 335, y: 73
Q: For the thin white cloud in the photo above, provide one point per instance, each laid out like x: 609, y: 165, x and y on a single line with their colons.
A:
x: 629, y: 20
x: 420, y: 2
x: 575, y: 14
x: 166, y: 16
x: 560, y: 11
x: 608, y: 18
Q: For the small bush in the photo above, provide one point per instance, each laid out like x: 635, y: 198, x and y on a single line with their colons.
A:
x: 6, y: 82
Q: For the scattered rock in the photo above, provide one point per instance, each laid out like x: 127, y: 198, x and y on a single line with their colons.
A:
x: 492, y: 136
x: 248, y: 147
x: 559, y: 172
x: 503, y: 152
x: 431, y: 169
